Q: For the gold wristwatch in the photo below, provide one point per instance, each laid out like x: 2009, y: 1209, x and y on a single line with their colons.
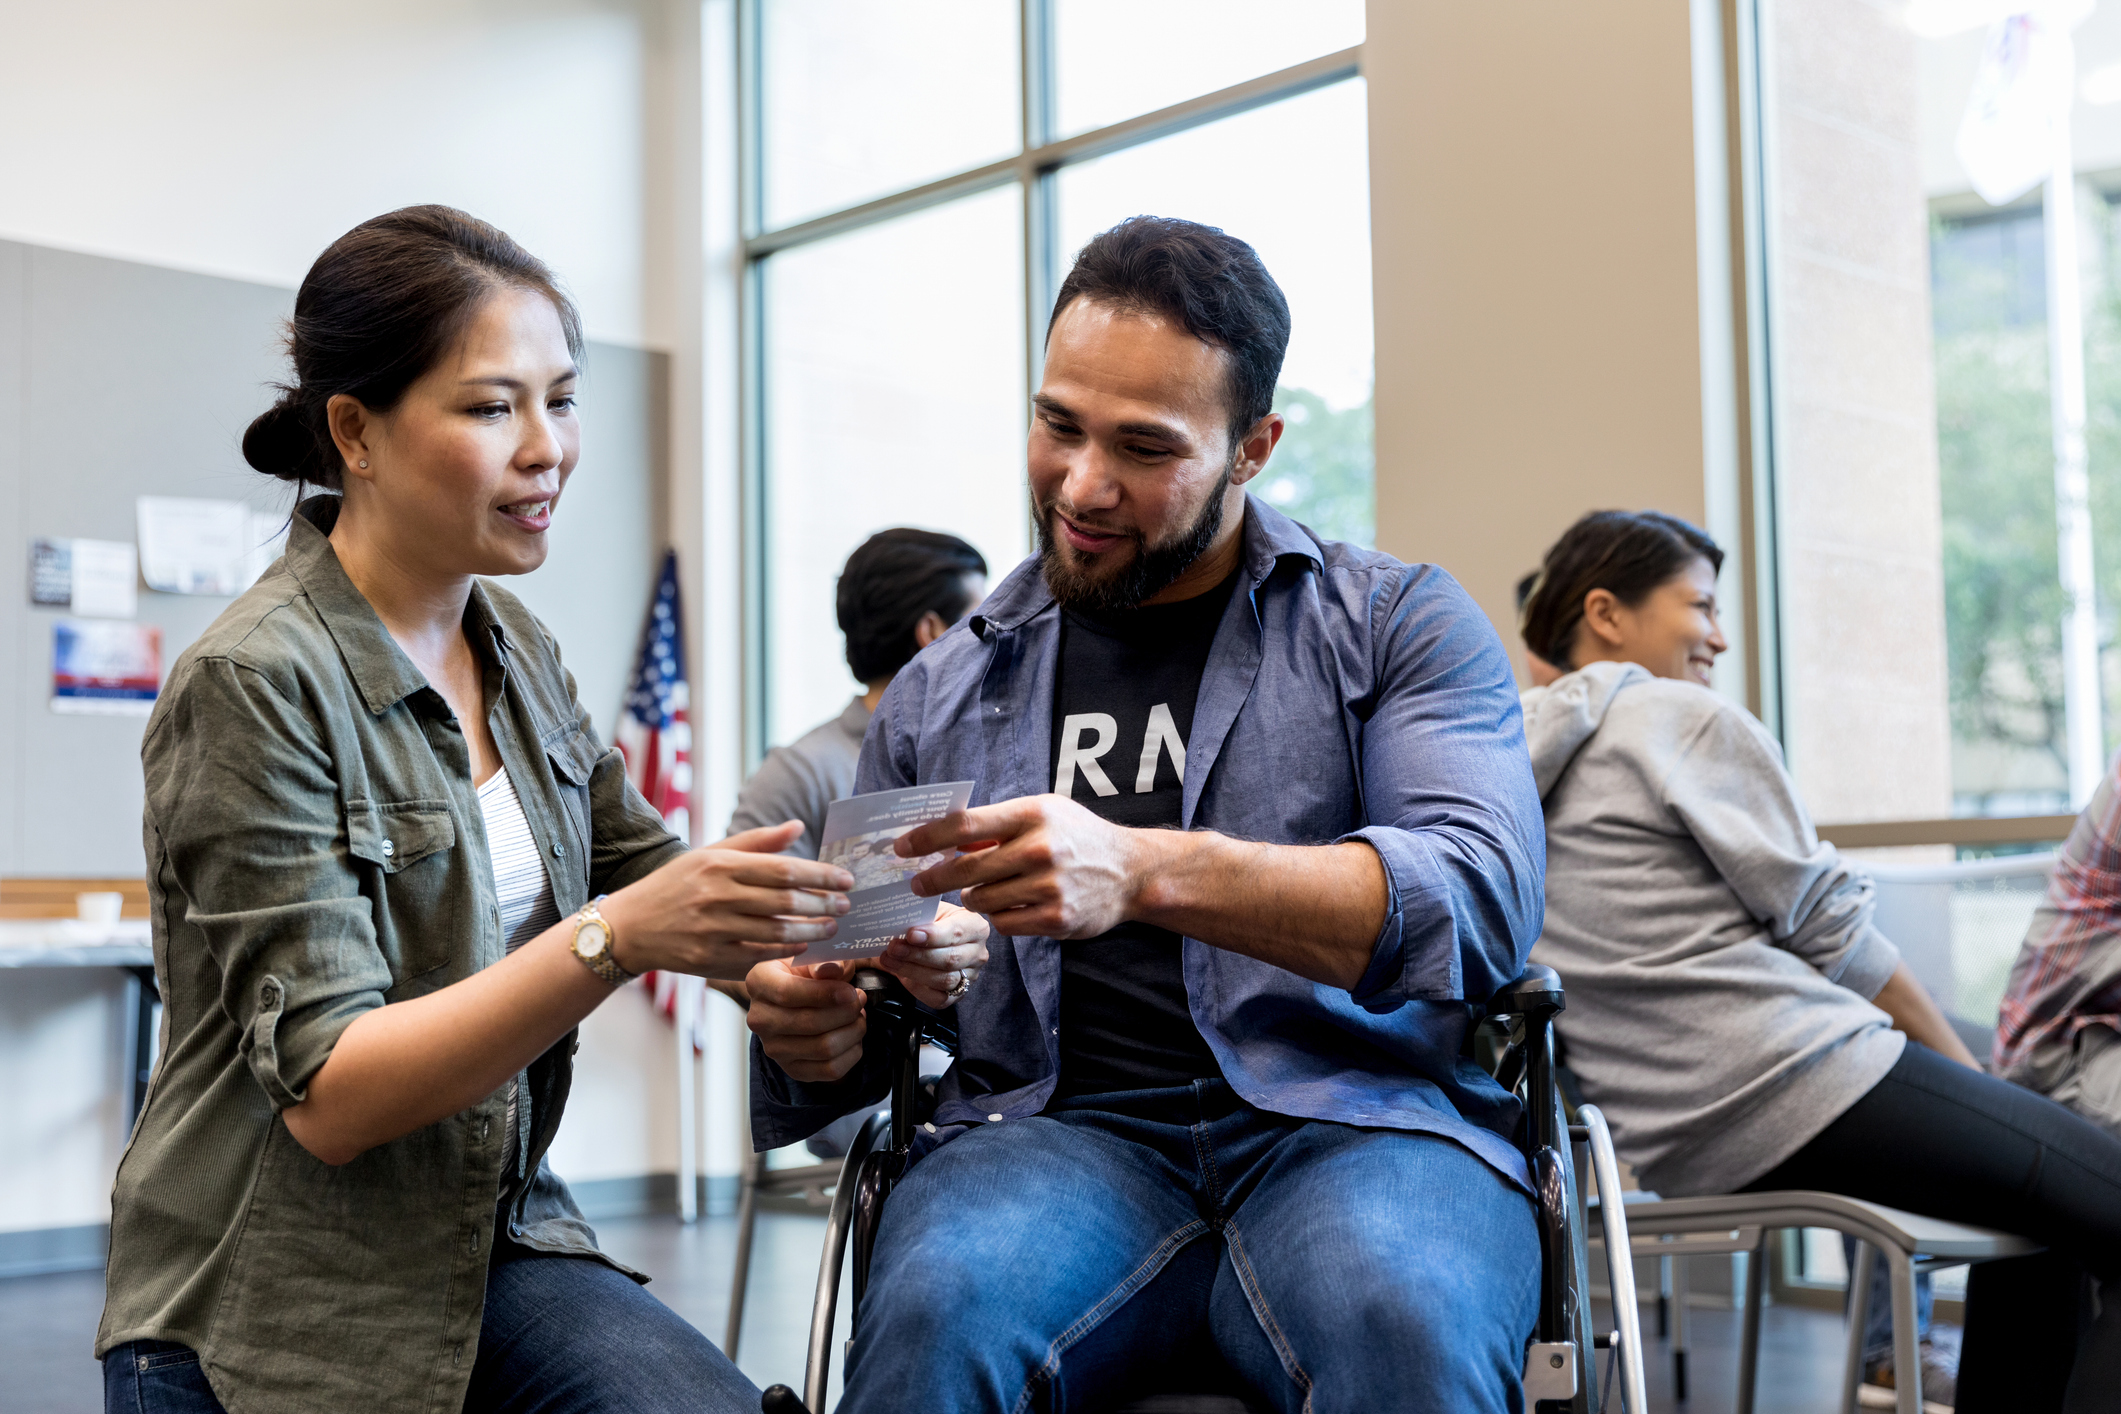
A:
x: 595, y: 943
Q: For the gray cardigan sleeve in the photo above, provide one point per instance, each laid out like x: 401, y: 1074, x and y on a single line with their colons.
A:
x: 1730, y: 789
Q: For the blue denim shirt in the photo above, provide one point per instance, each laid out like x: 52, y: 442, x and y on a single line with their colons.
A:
x: 1347, y: 696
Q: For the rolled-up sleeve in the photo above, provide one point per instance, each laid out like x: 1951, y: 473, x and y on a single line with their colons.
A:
x: 1731, y: 791
x: 243, y: 805
x: 1447, y: 790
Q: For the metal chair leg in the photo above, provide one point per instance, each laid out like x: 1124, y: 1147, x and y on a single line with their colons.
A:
x: 1749, y: 1345
x: 1859, y: 1309
x: 1664, y: 1297
x: 1681, y: 1271
x: 1907, y: 1353
x: 145, y: 998
x: 747, y: 1221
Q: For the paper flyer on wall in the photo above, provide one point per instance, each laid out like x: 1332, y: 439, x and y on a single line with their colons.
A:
x: 859, y: 834
x: 105, y: 667
x: 193, y: 546
x: 97, y: 579
x: 103, y: 579
x: 51, y: 574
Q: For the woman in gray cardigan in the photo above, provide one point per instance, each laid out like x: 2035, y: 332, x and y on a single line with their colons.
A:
x: 1731, y: 1007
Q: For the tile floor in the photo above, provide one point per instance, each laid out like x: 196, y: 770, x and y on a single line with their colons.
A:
x: 47, y: 1323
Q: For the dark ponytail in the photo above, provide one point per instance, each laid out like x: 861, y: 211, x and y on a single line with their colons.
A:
x: 1626, y: 553
x: 375, y: 312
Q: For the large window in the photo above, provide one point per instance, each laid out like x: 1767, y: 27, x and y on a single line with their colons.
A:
x: 918, y: 177
x: 1935, y: 185
x: 1949, y: 559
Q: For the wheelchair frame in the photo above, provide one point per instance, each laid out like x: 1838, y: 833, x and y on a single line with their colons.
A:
x: 1518, y: 1029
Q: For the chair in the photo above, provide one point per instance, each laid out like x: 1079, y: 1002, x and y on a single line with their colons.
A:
x: 809, y: 1182
x: 1679, y: 1228
x: 1560, y: 1371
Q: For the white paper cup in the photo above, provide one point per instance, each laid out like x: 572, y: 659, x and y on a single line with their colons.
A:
x: 99, y: 907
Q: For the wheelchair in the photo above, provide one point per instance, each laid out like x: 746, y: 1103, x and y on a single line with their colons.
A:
x: 1514, y: 1042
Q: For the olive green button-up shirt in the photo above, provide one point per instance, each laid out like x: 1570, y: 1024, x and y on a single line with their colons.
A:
x: 316, y: 849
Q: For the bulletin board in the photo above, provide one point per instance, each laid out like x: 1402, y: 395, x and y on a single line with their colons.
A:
x: 120, y: 380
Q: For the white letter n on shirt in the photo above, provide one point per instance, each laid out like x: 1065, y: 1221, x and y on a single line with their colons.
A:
x: 1073, y: 753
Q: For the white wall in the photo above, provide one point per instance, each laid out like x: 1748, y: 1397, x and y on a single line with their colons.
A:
x: 240, y: 137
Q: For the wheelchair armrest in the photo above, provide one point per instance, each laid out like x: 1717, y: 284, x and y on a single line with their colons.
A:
x: 1535, y: 992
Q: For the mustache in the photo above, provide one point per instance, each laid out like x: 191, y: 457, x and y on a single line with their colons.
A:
x: 1048, y: 509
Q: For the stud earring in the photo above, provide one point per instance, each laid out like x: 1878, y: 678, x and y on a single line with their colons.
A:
x: 364, y: 466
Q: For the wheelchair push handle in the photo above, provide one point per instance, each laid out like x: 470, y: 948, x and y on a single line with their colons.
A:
x: 1536, y: 992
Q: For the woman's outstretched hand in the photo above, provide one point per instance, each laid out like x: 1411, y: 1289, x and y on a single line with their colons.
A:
x: 724, y: 908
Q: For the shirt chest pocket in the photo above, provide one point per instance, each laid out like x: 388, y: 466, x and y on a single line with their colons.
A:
x: 573, y: 758
x: 407, y: 849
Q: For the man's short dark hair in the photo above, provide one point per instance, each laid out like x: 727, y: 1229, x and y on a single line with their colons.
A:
x: 891, y: 580
x: 1209, y: 283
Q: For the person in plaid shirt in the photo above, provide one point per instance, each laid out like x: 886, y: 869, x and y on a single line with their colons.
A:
x: 2059, y: 1031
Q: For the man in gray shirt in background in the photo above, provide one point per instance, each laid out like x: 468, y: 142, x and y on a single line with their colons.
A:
x: 900, y: 590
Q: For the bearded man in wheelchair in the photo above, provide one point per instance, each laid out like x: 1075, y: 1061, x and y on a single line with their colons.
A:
x: 1256, y: 833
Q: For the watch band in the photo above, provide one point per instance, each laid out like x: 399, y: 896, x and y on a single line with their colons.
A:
x: 599, y: 958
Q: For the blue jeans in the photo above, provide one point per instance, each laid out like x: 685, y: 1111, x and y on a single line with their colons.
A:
x: 1164, y: 1238
x: 561, y: 1335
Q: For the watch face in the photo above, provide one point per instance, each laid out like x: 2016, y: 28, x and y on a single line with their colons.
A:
x: 591, y: 939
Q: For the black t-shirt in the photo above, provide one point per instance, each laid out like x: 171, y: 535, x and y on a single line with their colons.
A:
x: 1122, y: 713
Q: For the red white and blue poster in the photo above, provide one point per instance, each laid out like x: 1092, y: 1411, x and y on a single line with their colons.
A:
x: 105, y: 667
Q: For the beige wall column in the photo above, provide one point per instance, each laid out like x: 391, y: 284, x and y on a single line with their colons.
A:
x: 1533, y: 225
x: 1866, y: 716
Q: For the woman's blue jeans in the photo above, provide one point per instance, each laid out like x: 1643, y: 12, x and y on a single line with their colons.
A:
x: 1170, y: 1237
x: 561, y: 1335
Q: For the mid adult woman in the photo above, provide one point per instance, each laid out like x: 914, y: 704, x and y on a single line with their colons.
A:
x: 1731, y: 1007
x: 392, y: 868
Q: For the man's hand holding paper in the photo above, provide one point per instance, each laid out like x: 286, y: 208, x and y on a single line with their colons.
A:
x: 808, y: 1017
x: 1041, y: 865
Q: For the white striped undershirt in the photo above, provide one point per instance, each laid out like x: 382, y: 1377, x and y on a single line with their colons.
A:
x: 521, y: 888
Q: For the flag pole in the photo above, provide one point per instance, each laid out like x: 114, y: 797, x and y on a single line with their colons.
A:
x: 2084, y: 728
x: 688, y: 1007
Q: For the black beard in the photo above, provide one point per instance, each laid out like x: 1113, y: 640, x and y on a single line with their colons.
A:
x: 1150, y: 572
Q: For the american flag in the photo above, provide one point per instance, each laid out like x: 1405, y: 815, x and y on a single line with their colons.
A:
x: 655, y: 737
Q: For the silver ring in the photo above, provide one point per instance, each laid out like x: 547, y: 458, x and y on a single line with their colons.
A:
x: 963, y: 984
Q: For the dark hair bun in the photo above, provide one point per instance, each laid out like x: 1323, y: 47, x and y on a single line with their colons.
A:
x: 280, y: 443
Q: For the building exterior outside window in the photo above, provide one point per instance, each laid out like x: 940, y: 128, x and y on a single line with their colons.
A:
x: 1922, y: 601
